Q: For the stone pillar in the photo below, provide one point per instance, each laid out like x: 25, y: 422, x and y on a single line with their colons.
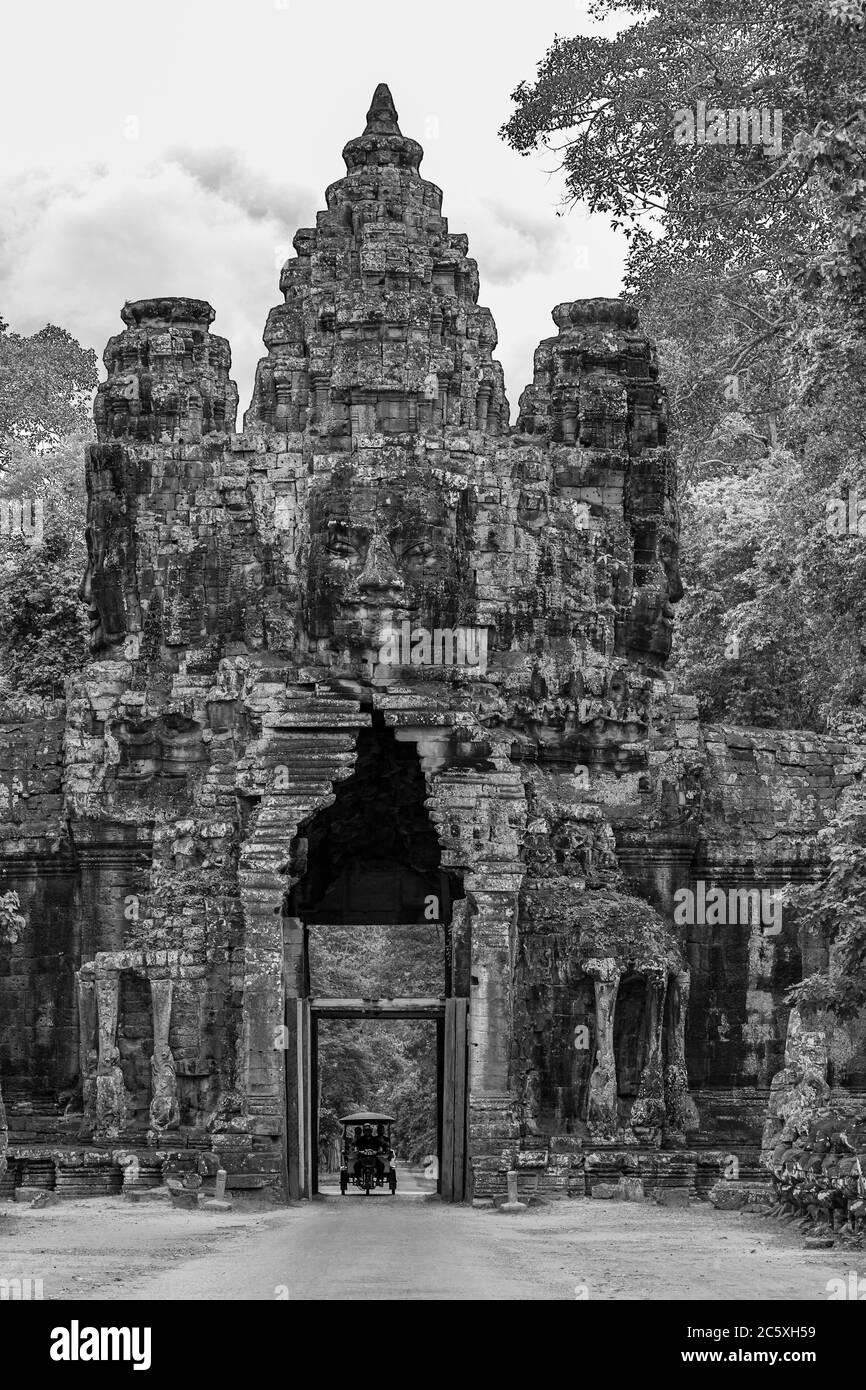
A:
x: 680, y: 1110
x: 111, y: 1100
x: 283, y: 388
x: 4, y: 1137
x: 164, y: 1104
x: 492, y: 1000
x: 11, y: 925
x: 485, y: 393
x: 602, y: 1118
x: 492, y: 1115
x: 801, y: 1087
x: 648, y: 1112
x: 88, y: 1045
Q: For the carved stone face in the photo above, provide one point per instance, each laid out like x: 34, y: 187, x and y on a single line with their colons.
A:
x: 169, y: 746
x: 181, y: 744
x: 550, y: 578
x: 383, y: 552
x: 108, y: 581
x: 650, y: 624
x: 533, y: 508
x: 539, y: 854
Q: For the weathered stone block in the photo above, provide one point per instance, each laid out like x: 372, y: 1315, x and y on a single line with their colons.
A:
x: 727, y: 1196
x: 672, y: 1196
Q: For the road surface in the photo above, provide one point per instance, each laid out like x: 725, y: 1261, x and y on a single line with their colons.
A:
x: 410, y: 1247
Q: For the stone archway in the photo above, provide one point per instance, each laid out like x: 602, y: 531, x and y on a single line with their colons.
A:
x: 367, y: 869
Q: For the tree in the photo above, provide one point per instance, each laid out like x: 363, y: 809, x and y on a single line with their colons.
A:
x: 43, y: 625
x: 46, y: 388
x: 612, y: 109
x: 46, y: 385
x: 749, y: 270
x: 835, y: 909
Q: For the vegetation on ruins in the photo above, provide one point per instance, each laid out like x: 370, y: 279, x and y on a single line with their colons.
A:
x: 46, y: 389
x: 43, y: 635
x: 749, y: 269
x: 11, y: 919
x: 834, y: 909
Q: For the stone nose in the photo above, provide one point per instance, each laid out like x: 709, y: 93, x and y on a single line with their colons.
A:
x: 380, y: 570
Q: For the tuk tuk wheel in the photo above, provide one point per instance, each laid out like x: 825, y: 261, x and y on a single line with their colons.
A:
x: 392, y: 1181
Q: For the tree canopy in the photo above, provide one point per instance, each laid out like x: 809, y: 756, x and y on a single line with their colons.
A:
x: 46, y: 388
x: 748, y: 264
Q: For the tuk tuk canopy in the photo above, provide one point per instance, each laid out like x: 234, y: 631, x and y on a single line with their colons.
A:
x: 366, y: 1117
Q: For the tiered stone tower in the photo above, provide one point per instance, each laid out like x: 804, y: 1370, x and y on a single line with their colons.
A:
x: 381, y: 594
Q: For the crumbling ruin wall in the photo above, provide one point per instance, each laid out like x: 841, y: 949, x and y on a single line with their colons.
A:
x: 38, y: 1045
x: 765, y: 796
x: 11, y: 925
x: 378, y: 543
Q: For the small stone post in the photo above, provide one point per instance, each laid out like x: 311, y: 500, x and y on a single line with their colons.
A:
x: 512, y: 1205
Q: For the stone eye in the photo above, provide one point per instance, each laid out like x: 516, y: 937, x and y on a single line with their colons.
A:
x: 423, y: 556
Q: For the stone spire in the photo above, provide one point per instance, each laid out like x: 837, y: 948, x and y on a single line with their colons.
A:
x: 383, y: 143
x: 382, y: 118
x: 380, y: 333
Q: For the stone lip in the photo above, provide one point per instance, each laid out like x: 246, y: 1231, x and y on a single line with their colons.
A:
x: 578, y: 312
x: 167, y: 310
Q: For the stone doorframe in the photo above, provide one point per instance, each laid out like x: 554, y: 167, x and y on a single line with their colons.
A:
x: 307, y: 745
x: 302, y: 1019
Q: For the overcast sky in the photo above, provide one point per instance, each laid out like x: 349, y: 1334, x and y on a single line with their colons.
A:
x: 175, y: 146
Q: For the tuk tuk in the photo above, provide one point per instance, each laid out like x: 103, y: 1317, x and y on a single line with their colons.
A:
x: 366, y: 1156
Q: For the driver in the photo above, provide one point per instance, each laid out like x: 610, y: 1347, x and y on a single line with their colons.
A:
x: 364, y: 1142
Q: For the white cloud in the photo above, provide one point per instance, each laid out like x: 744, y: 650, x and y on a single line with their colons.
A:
x: 74, y: 246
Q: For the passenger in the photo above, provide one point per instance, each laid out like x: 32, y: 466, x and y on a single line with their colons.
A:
x: 383, y: 1150
x: 358, y: 1140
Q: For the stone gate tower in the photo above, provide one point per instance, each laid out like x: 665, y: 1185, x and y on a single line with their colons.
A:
x: 381, y: 571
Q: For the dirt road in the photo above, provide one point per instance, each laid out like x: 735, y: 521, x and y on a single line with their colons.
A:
x: 408, y: 1248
